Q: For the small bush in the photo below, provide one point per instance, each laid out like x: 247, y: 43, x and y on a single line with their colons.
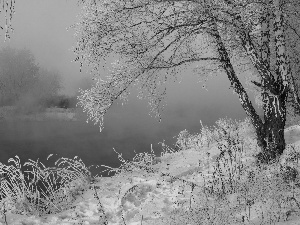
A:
x: 26, y: 196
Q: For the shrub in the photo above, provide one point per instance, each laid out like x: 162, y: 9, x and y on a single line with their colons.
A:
x: 58, y: 191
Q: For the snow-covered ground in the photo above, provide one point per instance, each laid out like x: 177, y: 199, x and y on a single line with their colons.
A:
x: 149, y: 197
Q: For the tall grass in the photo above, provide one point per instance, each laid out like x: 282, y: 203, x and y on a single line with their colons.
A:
x: 237, y: 192
x: 43, y: 190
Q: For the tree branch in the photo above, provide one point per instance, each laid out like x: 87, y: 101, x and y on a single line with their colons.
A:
x: 256, y: 83
x: 185, y: 61
x: 293, y: 29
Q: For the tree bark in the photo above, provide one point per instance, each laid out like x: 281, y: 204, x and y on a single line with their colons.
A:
x: 295, y: 94
x: 274, y: 94
x: 237, y: 86
x: 270, y: 132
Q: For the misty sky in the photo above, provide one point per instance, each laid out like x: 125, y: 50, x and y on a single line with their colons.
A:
x: 41, y: 26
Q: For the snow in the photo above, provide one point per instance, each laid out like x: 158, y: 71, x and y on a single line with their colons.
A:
x: 151, y: 196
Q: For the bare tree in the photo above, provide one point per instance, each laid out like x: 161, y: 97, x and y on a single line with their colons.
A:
x: 293, y: 46
x: 18, y: 73
x: 8, y: 6
x: 50, y: 83
x: 154, y: 39
x: 21, y: 78
x: 292, y: 36
x: 47, y: 88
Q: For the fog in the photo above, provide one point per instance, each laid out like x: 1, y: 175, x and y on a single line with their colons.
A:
x: 40, y: 26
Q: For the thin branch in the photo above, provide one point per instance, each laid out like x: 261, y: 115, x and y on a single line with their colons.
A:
x: 185, y: 61
x: 293, y: 29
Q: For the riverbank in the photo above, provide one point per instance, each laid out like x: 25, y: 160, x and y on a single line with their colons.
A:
x: 171, y: 191
x: 10, y: 113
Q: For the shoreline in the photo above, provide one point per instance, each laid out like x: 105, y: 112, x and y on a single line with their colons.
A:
x: 11, y: 113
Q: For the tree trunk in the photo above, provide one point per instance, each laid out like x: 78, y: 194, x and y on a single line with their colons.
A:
x: 270, y: 132
x: 295, y: 94
x: 272, y: 140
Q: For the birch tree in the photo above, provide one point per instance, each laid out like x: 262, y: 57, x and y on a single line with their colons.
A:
x: 8, y: 7
x: 293, y: 46
x: 292, y: 35
x: 155, y: 39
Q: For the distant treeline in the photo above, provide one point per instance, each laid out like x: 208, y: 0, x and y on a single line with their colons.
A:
x: 25, y: 84
x: 60, y: 101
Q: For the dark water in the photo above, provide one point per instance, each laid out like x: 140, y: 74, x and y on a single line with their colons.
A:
x: 34, y: 139
x: 38, y: 139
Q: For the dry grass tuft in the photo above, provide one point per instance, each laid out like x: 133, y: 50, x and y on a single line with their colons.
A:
x: 44, y: 190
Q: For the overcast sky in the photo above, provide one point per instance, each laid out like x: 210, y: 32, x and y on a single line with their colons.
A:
x: 41, y: 26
